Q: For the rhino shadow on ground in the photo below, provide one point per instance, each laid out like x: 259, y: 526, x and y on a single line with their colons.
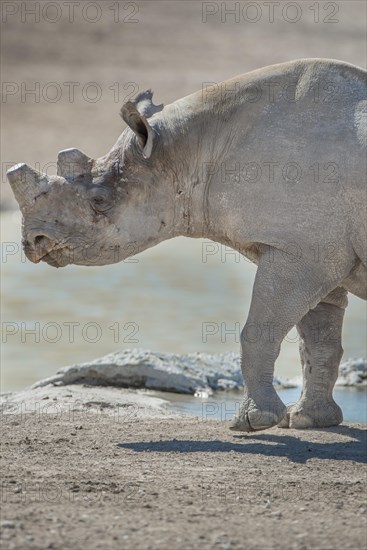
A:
x: 287, y: 446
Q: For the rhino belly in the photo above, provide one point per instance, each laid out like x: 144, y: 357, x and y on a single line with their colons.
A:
x: 356, y: 282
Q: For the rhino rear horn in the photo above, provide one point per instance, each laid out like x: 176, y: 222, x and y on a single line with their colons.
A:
x: 72, y: 163
x: 26, y: 183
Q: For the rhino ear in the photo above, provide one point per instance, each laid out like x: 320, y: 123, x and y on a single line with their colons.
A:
x: 135, y: 113
x: 144, y: 104
x: 139, y: 124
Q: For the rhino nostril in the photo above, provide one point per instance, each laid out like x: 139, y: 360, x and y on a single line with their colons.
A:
x: 40, y: 241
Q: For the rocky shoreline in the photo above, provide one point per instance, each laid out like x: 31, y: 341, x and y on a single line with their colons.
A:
x: 126, y: 382
x: 189, y: 373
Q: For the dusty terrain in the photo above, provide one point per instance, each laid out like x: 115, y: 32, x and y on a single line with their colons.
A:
x: 113, y: 477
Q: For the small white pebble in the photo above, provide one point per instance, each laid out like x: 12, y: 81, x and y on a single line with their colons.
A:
x: 7, y: 524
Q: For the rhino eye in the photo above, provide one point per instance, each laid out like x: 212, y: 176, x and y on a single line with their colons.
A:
x: 98, y: 200
x: 100, y: 203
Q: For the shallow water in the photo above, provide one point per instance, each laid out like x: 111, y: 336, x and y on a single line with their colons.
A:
x: 224, y: 405
x: 183, y: 296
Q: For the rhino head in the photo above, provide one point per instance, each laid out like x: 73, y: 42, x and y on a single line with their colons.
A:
x: 97, y: 212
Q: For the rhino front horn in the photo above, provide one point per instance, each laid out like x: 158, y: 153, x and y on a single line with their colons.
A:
x: 72, y: 163
x: 26, y: 183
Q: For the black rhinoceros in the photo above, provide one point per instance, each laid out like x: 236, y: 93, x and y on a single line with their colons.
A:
x: 271, y: 163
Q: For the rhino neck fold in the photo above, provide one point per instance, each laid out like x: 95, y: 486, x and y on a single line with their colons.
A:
x: 189, y: 153
x: 190, y: 217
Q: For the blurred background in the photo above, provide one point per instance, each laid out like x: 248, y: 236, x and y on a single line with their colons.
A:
x: 66, y: 70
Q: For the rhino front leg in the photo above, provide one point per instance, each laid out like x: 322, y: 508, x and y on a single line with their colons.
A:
x: 282, y: 295
x: 320, y: 333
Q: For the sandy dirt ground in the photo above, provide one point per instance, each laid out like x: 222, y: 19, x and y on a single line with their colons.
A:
x: 93, y: 479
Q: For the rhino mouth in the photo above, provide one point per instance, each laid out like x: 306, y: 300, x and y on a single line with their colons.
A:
x: 57, y: 257
x: 55, y: 254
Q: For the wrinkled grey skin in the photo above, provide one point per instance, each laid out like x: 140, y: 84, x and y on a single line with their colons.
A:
x: 169, y: 175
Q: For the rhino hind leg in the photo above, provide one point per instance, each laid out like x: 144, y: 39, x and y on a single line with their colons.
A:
x: 281, y: 298
x: 321, y: 351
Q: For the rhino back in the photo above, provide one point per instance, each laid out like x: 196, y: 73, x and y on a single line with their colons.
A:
x: 293, y: 161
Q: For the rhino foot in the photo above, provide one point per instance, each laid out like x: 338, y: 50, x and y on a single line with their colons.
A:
x: 254, y: 416
x: 315, y: 415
